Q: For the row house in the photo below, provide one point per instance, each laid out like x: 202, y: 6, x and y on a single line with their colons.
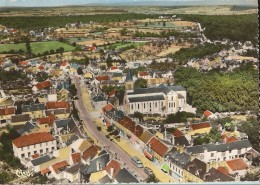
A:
x: 20, y: 119
x: 198, y: 171
x: 34, y: 110
x: 26, y: 146
x: 6, y: 114
x: 220, y: 152
x: 176, y: 161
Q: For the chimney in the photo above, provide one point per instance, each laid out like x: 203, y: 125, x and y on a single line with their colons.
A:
x: 112, y: 171
x: 98, y: 165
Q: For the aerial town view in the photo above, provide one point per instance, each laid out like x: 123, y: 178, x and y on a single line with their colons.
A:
x: 129, y: 91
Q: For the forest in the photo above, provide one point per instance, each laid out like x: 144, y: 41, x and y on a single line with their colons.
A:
x: 31, y: 23
x: 220, y: 92
x: 233, y: 27
x: 197, y: 52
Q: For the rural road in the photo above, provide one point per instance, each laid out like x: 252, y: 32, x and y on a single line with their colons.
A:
x: 87, y: 118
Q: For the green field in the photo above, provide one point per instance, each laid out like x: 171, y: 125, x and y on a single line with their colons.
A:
x: 37, y: 47
x: 122, y: 45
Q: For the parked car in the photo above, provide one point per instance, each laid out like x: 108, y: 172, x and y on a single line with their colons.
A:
x: 148, y: 171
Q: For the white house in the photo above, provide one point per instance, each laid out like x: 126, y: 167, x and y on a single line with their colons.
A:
x: 219, y: 152
x: 26, y: 146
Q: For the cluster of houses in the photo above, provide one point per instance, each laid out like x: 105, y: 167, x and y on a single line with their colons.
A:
x: 175, y: 154
x: 226, y: 59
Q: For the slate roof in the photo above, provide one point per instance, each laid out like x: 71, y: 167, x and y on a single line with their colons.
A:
x: 33, y: 107
x: 20, y: 118
x: 92, y: 167
x: 105, y: 179
x: 124, y: 176
x: 99, y: 97
x: 181, y: 140
x: 197, y: 168
x: 72, y: 139
x: 40, y: 160
x: 214, y: 175
x: 180, y: 159
x: 74, y: 169
x: 159, y: 89
x: 129, y: 77
x: 146, y: 98
x: 26, y: 128
x: 62, y: 123
x: 219, y: 147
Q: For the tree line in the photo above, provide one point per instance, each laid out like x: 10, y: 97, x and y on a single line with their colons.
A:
x: 233, y: 27
x: 29, y: 23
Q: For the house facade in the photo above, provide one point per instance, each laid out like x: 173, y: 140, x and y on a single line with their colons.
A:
x: 36, y: 143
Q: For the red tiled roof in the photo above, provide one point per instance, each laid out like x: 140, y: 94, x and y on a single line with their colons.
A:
x: 35, y: 156
x: 92, y: 48
x: 207, y: 113
x: 64, y: 63
x: 231, y: 139
x: 32, y: 139
x: 158, y: 146
x: 46, y: 170
x: 23, y: 62
x: 113, y: 164
x: 112, y: 93
x: 200, y: 126
x: 127, y: 123
x: 138, y: 131
x: 107, y: 108
x: 104, y: 77
x: 90, y: 152
x: 143, y: 73
x: 75, y: 158
x: 223, y: 170
x: 41, y: 67
x: 237, y: 164
x: 113, y: 68
x: 59, y: 165
x: 177, y: 133
x: 57, y: 105
x: 7, y: 111
x: 47, y: 120
x: 43, y: 85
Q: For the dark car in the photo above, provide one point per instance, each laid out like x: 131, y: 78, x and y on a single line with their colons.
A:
x: 148, y: 171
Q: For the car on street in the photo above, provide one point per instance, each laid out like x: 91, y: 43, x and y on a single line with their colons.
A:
x: 148, y: 171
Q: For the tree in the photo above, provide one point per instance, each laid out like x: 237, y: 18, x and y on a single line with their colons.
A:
x: 73, y: 90
x: 179, y: 117
x: 80, y: 71
x: 74, y: 44
x: 110, y: 128
x: 164, y: 23
x: 140, y: 83
x: 123, y: 32
x: 146, y: 24
x: 42, y: 76
x: 4, y: 177
x: 152, y: 178
x: 139, y: 115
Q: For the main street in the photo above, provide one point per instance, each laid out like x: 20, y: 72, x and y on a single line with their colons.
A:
x: 101, y: 138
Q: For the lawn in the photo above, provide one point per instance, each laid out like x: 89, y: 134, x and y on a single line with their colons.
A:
x: 122, y: 45
x: 37, y: 47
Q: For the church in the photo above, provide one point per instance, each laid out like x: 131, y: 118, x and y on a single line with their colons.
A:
x: 161, y: 100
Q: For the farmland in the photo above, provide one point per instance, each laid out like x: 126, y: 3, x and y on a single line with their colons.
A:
x: 37, y: 47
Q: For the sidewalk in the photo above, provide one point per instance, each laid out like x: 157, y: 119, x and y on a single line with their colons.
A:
x: 163, y: 177
x: 86, y: 98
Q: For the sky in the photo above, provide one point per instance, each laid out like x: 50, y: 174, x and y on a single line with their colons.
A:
x: 42, y: 3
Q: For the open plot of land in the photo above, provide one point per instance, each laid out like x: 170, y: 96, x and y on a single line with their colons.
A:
x: 170, y: 50
x: 37, y: 47
x: 98, y: 42
x: 78, y: 39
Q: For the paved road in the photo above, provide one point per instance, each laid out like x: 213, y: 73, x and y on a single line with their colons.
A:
x: 92, y: 128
